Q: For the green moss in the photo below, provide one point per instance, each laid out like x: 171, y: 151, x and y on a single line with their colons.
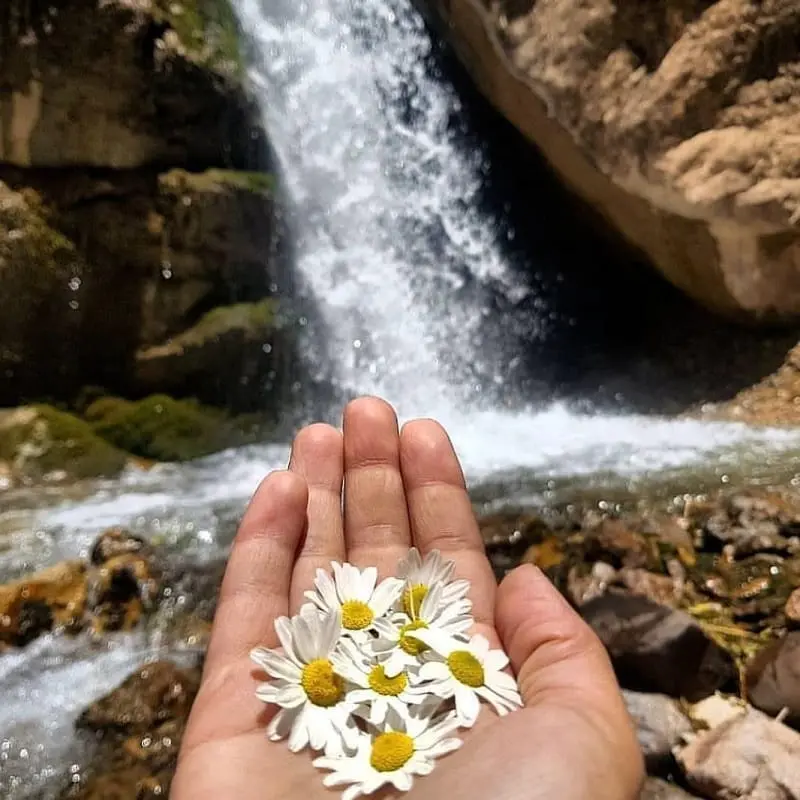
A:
x: 40, y: 439
x: 217, y: 180
x: 207, y: 29
x: 162, y: 428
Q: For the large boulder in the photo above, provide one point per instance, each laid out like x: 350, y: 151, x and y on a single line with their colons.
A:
x: 122, y: 84
x: 676, y: 121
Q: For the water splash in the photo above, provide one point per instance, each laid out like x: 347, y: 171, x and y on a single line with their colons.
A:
x: 390, y: 240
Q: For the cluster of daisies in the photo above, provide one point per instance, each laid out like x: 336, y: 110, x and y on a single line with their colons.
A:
x: 378, y: 676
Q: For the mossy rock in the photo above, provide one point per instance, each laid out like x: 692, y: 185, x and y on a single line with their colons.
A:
x: 37, y: 441
x: 217, y: 180
x: 162, y: 428
x: 207, y: 30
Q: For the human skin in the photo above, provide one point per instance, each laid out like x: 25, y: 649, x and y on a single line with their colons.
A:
x: 366, y: 495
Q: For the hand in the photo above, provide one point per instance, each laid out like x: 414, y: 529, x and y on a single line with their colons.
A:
x: 572, y: 741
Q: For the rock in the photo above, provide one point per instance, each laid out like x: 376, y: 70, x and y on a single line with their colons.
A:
x: 117, y: 542
x: 656, y: 789
x: 162, y: 428
x: 191, y: 259
x: 176, y: 96
x: 38, y: 322
x: 773, y: 678
x: 749, y: 755
x: 792, y: 608
x: 140, y: 727
x: 155, y: 694
x: 753, y: 522
x: 508, y: 536
x: 582, y: 588
x: 662, y: 589
x: 35, y: 604
x: 658, y: 649
x: 230, y: 358
x: 660, y: 725
x: 614, y: 541
x: 39, y: 442
x: 715, y: 709
x: 675, y: 121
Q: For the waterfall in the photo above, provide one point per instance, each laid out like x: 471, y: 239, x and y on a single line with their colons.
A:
x: 389, y: 237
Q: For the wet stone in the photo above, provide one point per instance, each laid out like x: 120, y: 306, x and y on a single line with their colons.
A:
x: 657, y: 789
x: 792, y: 608
x: 117, y: 542
x: 655, y: 648
x: 151, y: 696
x: 773, y: 678
x: 660, y: 726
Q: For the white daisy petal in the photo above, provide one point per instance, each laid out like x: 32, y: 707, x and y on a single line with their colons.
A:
x: 283, y: 627
x: 385, y: 594
x: 367, y: 582
x: 281, y: 724
x: 467, y: 706
x: 276, y: 665
x: 496, y: 660
x: 298, y: 738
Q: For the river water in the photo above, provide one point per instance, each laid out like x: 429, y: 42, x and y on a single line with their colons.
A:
x: 400, y: 261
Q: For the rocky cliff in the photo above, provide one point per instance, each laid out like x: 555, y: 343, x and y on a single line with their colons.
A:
x: 135, y: 200
x: 677, y: 120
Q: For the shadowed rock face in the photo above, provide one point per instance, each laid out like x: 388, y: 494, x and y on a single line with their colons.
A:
x: 676, y: 121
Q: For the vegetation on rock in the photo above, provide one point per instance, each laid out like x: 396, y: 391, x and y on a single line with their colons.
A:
x: 161, y: 428
x: 37, y: 441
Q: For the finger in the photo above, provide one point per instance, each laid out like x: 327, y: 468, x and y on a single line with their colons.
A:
x: 376, y: 523
x: 255, y: 589
x: 318, y: 456
x: 441, y: 512
x: 553, y: 651
x: 561, y: 666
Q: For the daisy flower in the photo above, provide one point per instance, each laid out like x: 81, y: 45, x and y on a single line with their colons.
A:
x: 314, y: 709
x: 398, y: 651
x: 467, y: 672
x: 419, y: 575
x: 354, y: 595
x: 373, y: 687
x: 393, y: 754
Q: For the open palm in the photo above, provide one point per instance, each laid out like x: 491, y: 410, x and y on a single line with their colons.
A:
x: 366, y: 496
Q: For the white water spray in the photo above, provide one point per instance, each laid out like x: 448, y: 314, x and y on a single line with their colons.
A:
x: 388, y: 232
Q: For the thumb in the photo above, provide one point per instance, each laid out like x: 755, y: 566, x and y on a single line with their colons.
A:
x: 559, y: 661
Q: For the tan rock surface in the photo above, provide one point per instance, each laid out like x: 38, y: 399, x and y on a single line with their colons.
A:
x: 679, y: 122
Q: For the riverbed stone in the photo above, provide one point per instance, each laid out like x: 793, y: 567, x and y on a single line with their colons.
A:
x: 660, y: 723
x: 151, y: 696
x: 773, y: 678
x: 749, y: 755
x: 655, y: 648
x: 35, y: 604
x: 658, y: 789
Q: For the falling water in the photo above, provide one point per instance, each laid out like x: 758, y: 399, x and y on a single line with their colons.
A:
x: 390, y: 240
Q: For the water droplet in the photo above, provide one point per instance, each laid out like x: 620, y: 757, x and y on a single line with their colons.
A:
x: 267, y: 348
x: 75, y: 283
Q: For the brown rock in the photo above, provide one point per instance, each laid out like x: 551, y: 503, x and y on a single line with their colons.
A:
x: 618, y: 544
x: 582, y: 588
x: 662, y: 589
x: 773, y: 678
x: 792, y: 609
x: 156, y: 694
x: 753, y: 522
x: 747, y: 756
x: 33, y: 605
x: 656, y: 789
x: 676, y: 121
x: 169, y: 100
x: 658, y: 649
x: 117, y: 542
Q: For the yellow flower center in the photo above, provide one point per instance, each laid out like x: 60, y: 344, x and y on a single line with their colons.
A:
x: 390, y: 751
x: 411, y: 645
x: 356, y: 615
x: 412, y: 599
x: 465, y: 668
x: 321, y: 684
x: 391, y: 687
